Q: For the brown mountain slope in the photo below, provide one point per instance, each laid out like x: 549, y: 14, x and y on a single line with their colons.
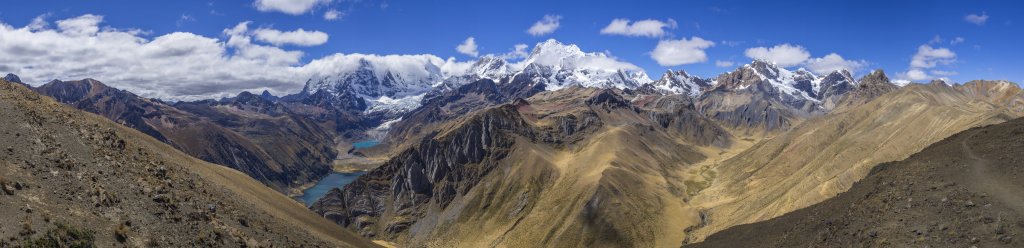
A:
x: 300, y: 149
x: 825, y: 156
x: 1002, y: 93
x: 570, y: 168
x: 275, y: 147
x: 71, y: 175
x: 965, y: 191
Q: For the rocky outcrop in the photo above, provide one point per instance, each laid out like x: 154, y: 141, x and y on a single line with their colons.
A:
x: 10, y: 77
x: 868, y: 88
x: 834, y: 86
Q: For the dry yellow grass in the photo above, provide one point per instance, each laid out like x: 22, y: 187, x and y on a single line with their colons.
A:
x: 825, y: 156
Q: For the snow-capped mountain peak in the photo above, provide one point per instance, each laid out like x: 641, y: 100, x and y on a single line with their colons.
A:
x: 798, y: 85
x: 558, y: 65
x: 396, y: 83
x: 490, y: 67
x: 680, y: 82
x: 376, y: 76
x: 554, y: 53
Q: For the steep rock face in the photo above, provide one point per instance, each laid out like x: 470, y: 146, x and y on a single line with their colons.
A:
x: 431, y: 173
x: 794, y: 88
x: 206, y: 134
x: 869, y: 87
x: 691, y: 124
x: 454, y: 104
x: 69, y: 173
x: 753, y: 110
x: 678, y: 82
x: 961, y: 191
x: 760, y: 97
x: 834, y: 86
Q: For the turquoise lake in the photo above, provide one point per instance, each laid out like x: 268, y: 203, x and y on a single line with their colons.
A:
x: 334, y: 180
x: 365, y: 144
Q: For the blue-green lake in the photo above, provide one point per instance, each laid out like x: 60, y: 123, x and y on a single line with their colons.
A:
x: 365, y: 144
x: 334, y: 180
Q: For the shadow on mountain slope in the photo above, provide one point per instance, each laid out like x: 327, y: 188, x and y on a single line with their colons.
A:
x: 963, y: 191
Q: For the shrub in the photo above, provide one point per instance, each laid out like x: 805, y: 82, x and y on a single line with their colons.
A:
x: 64, y: 236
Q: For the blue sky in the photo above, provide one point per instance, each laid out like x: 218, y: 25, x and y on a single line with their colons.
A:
x: 878, y: 34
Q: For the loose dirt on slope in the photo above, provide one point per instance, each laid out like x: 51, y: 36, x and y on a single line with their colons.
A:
x: 983, y: 177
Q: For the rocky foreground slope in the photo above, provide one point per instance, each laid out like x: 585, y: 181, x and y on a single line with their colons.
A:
x: 73, y: 178
x: 964, y: 191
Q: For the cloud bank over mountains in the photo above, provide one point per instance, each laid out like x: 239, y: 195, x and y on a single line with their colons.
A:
x: 249, y: 57
x: 200, y: 67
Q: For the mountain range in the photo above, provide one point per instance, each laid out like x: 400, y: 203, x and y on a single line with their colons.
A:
x: 566, y: 148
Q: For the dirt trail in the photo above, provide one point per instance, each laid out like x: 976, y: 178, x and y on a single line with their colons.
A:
x: 984, y: 178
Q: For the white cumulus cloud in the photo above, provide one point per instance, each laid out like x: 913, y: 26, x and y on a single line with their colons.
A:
x: 957, y: 40
x: 926, y: 59
x: 291, y: 7
x: 83, y: 25
x: 916, y: 75
x: 333, y: 14
x: 546, y: 25
x: 518, y: 52
x: 784, y: 55
x: 299, y: 37
x: 681, y: 52
x: 646, y: 28
x: 834, y: 62
x: 468, y: 47
x: 977, y: 19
